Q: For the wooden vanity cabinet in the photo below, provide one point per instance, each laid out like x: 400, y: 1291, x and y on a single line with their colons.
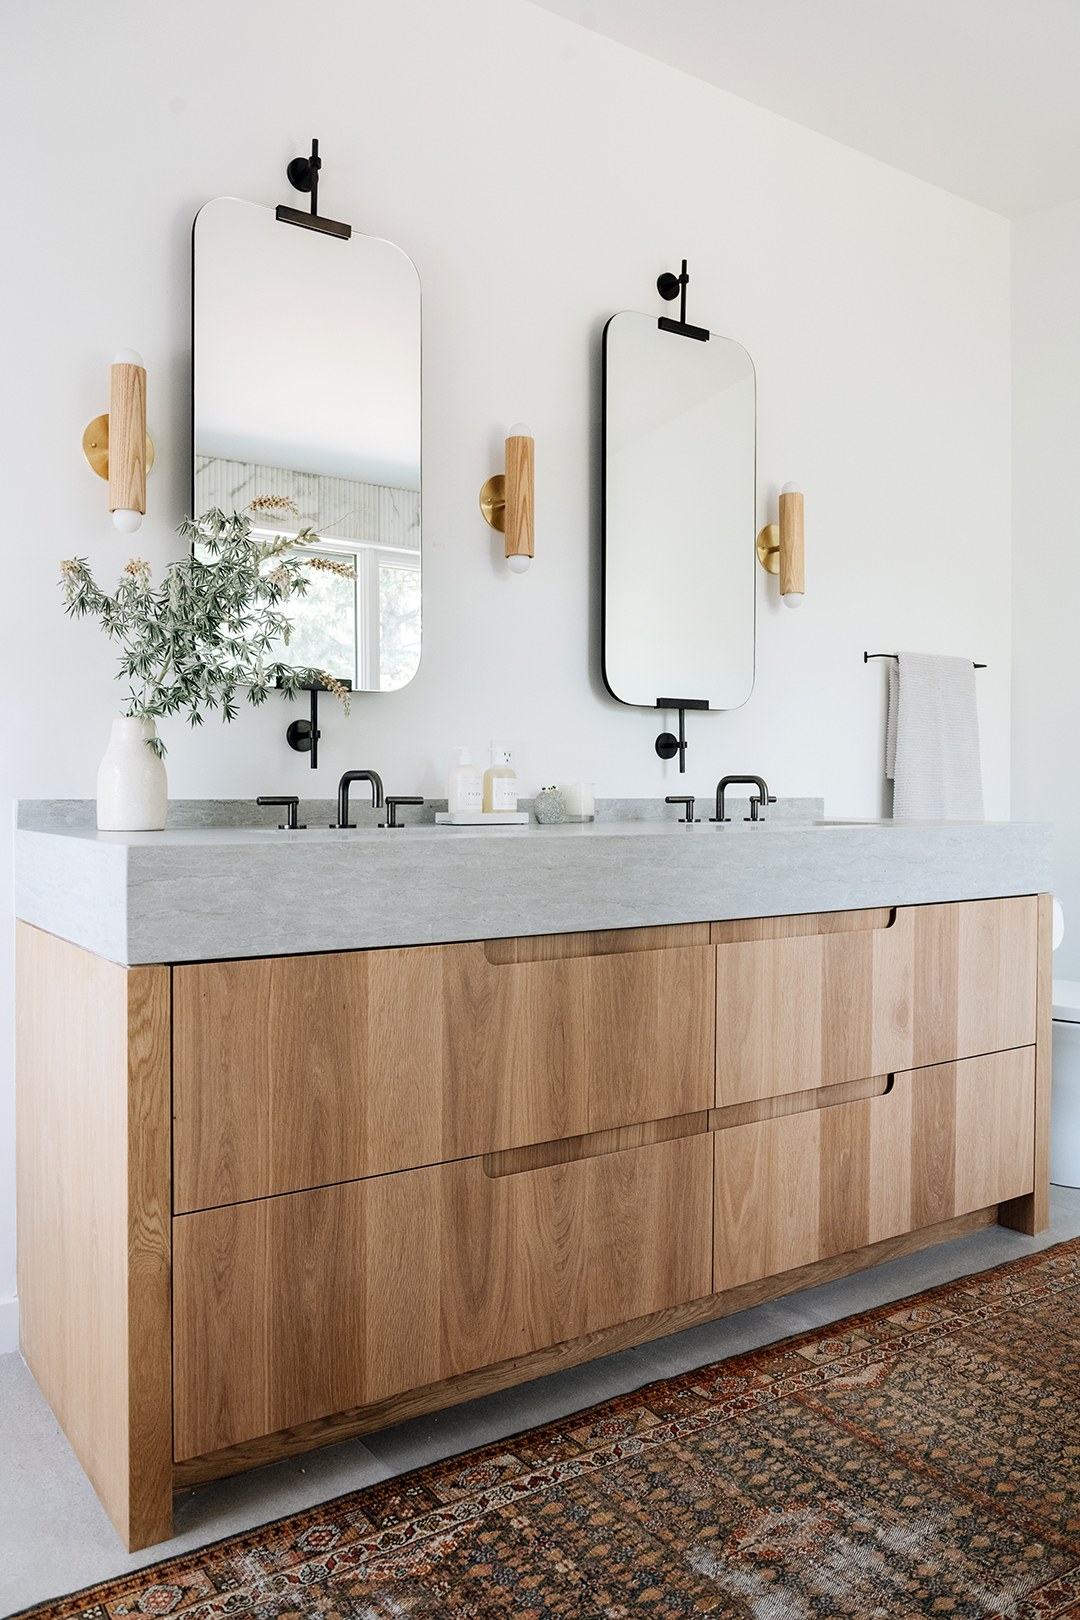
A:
x: 870, y: 992
x: 268, y: 1204
x: 293, y: 1308
x: 937, y: 1143
x: 297, y: 1071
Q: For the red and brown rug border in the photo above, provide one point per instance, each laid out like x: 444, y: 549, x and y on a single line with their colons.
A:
x: 548, y: 1436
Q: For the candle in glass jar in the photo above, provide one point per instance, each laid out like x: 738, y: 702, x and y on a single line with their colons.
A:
x: 579, y: 799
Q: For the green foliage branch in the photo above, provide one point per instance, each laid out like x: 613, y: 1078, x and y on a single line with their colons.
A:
x: 208, y: 630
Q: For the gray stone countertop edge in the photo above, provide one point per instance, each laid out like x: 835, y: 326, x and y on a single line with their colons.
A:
x: 197, y: 896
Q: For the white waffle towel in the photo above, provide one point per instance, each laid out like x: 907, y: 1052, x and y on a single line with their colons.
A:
x: 932, y: 739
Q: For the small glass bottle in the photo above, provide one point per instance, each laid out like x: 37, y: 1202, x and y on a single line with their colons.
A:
x: 465, y: 789
x: 500, y: 784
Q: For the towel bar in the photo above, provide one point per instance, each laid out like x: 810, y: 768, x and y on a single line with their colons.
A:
x: 867, y: 656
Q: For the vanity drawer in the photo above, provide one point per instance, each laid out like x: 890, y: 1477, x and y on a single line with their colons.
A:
x: 941, y: 1142
x: 870, y: 993
x: 289, y: 1309
x: 295, y: 1072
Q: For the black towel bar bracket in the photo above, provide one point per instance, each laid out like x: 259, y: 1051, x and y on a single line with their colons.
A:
x: 866, y: 657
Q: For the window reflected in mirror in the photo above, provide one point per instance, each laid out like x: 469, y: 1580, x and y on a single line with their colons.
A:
x: 358, y: 621
x: 307, y: 403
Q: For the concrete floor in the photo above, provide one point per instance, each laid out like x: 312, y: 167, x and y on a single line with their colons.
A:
x: 56, y: 1539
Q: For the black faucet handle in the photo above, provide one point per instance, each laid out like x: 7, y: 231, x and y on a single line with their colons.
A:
x: 756, y: 805
x: 392, y: 801
x: 683, y: 798
x: 291, y: 802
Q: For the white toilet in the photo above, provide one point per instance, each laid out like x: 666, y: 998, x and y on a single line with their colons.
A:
x: 1065, y: 1086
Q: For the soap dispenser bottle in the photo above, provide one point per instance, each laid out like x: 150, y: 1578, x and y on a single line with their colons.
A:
x: 465, y: 790
x: 500, y: 783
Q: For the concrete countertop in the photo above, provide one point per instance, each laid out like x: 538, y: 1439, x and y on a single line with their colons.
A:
x: 208, y: 892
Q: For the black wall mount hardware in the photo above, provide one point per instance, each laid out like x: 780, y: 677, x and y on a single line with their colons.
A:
x: 343, y: 795
x: 303, y: 735
x: 667, y: 745
x: 669, y: 286
x: 866, y: 657
x: 392, y: 801
x: 303, y: 173
x: 291, y: 803
x: 688, y: 800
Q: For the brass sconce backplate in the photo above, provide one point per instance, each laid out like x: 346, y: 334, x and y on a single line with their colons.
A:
x: 493, y: 502
x: 95, y: 443
x: 768, y: 548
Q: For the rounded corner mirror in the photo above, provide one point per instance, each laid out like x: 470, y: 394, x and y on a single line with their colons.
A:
x: 679, y: 507
x: 307, y: 416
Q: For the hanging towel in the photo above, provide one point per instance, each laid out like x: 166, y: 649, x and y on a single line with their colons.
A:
x: 932, y: 739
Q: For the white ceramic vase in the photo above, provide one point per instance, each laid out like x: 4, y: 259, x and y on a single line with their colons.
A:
x: 132, y: 788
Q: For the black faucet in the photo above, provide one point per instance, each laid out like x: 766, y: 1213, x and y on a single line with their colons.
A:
x: 291, y: 802
x: 392, y: 802
x: 343, y: 795
x: 683, y: 798
x: 757, y: 802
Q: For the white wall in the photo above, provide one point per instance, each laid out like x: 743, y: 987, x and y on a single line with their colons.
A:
x: 1046, y: 546
x: 541, y: 177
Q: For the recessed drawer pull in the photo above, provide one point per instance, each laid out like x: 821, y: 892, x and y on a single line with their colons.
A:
x: 750, y: 930
x: 569, y: 1149
x: 799, y: 1102
x: 607, y: 942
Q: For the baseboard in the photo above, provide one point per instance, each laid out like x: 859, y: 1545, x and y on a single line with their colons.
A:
x: 360, y: 1420
x: 9, y: 1326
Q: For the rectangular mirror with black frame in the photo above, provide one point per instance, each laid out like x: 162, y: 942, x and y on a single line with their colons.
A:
x: 679, y: 507
x: 307, y: 403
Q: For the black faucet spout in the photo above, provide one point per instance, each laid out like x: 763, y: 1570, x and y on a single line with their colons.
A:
x: 757, y: 803
x: 343, y: 794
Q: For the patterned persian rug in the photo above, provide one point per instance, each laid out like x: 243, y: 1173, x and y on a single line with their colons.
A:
x: 919, y: 1459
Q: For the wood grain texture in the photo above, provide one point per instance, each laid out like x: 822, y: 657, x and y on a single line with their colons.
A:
x: 127, y: 438
x: 296, y: 1072
x: 93, y: 1189
x: 797, y: 1102
x: 1031, y: 1213
x: 746, y: 930
x: 520, y: 477
x: 288, y: 1309
x: 594, y: 1143
x: 943, y: 982
x: 792, y: 571
x: 303, y: 1437
x: 942, y: 1141
x: 606, y: 942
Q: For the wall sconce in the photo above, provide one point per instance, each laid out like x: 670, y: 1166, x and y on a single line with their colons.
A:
x: 780, y: 547
x: 506, y: 500
x: 118, y: 446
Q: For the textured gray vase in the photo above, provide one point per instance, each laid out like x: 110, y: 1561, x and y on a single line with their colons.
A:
x: 549, y: 807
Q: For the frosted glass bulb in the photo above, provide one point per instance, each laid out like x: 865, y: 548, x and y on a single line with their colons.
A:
x: 791, y: 489
x: 793, y: 599
x: 127, y: 357
x: 520, y: 430
x: 127, y: 522
x: 518, y: 565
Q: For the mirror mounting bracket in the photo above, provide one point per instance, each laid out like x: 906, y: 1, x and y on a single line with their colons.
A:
x: 303, y: 735
x: 303, y: 173
x: 669, y: 287
x: 667, y: 745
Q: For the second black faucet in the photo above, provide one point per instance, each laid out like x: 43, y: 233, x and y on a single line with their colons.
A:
x: 343, y: 795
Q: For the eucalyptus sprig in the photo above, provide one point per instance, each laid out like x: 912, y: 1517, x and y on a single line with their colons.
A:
x: 208, y: 630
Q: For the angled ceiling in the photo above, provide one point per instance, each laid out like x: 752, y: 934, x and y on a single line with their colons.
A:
x: 976, y: 96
